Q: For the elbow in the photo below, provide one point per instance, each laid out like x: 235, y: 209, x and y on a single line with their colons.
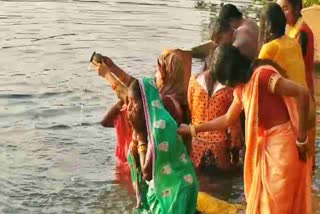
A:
x: 304, y: 96
x: 228, y: 120
x: 106, y: 124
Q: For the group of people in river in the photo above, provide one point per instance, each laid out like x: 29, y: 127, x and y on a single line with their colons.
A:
x: 255, y: 94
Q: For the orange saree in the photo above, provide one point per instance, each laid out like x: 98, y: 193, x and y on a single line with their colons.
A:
x: 276, y: 180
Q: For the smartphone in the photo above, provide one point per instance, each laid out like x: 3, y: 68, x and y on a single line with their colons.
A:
x: 96, y: 57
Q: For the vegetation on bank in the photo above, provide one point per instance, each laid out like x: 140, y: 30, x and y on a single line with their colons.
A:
x: 306, y: 3
x: 206, y: 3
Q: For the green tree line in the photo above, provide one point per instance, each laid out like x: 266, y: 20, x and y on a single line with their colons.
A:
x: 306, y: 3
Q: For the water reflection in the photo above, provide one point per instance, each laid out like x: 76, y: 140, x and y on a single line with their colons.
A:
x: 55, y: 157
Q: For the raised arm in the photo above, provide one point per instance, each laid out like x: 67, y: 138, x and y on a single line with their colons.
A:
x: 123, y: 76
x: 118, y: 86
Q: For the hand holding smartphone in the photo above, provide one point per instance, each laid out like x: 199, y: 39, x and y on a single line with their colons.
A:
x: 96, y: 57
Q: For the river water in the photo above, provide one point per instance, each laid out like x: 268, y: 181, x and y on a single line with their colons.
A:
x: 54, y: 155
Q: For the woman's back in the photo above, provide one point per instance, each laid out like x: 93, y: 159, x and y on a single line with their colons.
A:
x: 286, y: 52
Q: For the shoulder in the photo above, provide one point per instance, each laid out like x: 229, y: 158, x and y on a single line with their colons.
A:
x: 173, y: 107
x: 268, y: 50
x: 306, y: 29
x: 237, y: 93
x: 193, y: 80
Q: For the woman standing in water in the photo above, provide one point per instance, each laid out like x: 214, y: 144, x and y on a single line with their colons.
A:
x: 173, y: 185
x: 213, y: 152
x: 286, y: 52
x: 299, y: 30
x: 276, y: 173
x: 172, y: 82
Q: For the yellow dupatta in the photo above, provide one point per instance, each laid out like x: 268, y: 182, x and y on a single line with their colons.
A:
x: 294, y: 31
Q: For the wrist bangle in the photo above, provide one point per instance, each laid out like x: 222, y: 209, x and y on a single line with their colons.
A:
x: 302, y: 143
x: 115, y: 85
x: 134, y: 142
x: 142, y: 148
x: 193, y: 130
x: 140, y: 143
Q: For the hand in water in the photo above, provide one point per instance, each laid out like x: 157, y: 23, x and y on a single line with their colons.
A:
x: 184, y: 130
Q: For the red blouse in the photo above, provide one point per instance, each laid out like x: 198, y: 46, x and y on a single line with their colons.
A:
x: 270, y: 105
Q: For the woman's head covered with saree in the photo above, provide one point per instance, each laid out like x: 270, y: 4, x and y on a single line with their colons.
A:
x: 174, y: 186
x: 173, y: 74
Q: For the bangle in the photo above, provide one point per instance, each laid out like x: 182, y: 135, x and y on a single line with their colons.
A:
x: 115, y: 85
x: 299, y: 144
x: 142, y: 148
x: 193, y: 130
x: 134, y: 142
x: 122, y: 78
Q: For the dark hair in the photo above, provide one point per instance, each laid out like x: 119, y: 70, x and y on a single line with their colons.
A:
x: 272, y: 23
x: 231, y: 66
x: 209, y: 64
x: 135, y: 88
x: 229, y: 11
x: 297, y: 5
x: 218, y: 26
x: 259, y: 62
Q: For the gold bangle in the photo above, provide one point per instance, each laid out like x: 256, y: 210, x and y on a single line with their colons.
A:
x: 193, y: 130
x: 142, y: 148
x: 115, y: 85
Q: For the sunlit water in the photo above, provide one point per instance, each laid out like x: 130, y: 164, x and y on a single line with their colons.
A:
x: 54, y: 155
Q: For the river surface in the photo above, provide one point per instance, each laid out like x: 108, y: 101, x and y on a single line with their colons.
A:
x: 54, y: 155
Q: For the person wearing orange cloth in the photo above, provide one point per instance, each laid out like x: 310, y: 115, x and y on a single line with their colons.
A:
x: 286, y: 52
x: 276, y: 170
x: 216, y: 151
x: 172, y: 75
x: 299, y: 30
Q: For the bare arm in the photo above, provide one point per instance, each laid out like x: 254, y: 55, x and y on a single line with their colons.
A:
x: 218, y: 123
x: 147, y: 167
x: 203, y: 50
x: 109, y: 117
x: 123, y: 76
x: 285, y: 87
x: 223, y: 121
x: 104, y: 71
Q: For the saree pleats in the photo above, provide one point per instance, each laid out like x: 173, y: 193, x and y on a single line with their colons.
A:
x: 276, y: 180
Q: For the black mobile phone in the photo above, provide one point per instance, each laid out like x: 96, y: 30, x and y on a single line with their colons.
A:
x: 96, y: 57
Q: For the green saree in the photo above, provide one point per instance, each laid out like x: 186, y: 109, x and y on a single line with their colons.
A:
x: 174, y: 186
